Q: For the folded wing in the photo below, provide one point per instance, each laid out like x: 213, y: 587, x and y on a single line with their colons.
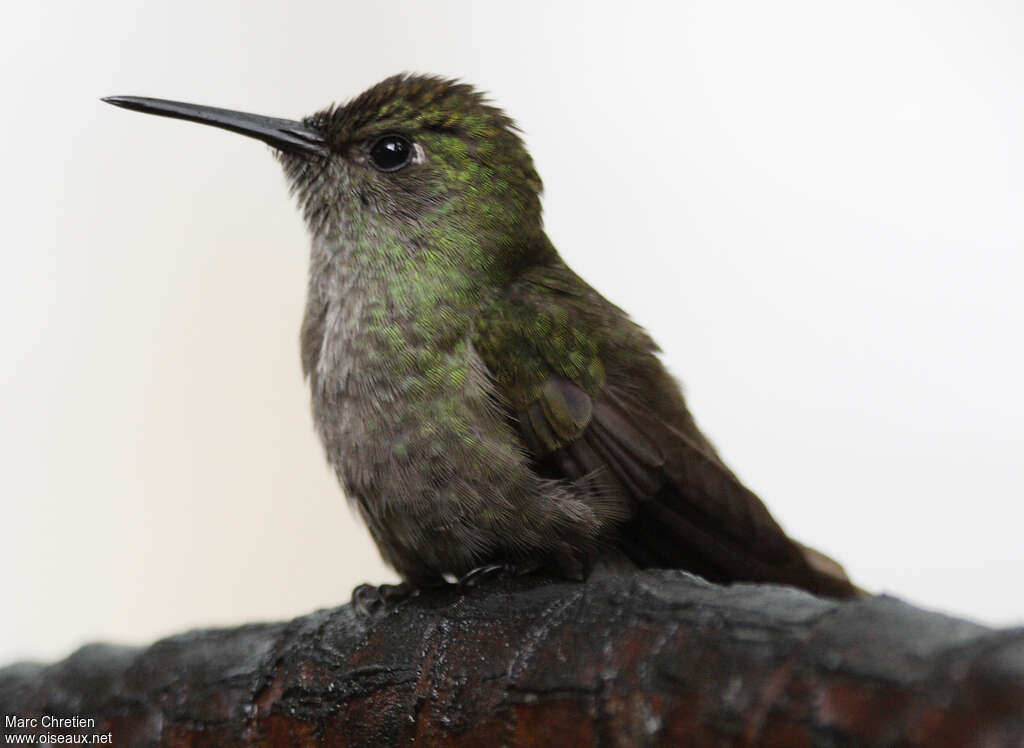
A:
x: 593, y: 406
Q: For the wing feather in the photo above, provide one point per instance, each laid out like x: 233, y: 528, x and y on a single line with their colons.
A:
x: 589, y: 424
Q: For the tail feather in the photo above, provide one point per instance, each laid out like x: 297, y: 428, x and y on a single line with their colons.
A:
x: 699, y: 516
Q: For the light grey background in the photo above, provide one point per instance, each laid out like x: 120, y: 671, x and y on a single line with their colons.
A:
x: 815, y: 208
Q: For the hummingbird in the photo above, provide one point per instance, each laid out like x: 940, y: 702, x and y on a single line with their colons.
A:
x: 482, y: 405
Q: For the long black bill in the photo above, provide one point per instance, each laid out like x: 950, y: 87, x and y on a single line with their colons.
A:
x: 284, y: 134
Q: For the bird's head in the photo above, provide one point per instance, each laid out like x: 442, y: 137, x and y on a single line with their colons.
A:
x: 420, y: 157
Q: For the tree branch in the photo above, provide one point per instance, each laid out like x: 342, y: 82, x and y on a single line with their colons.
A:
x: 650, y: 658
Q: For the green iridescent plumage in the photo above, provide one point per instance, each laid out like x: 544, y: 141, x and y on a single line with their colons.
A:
x: 478, y: 400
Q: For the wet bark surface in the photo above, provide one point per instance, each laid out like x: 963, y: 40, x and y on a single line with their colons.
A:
x: 651, y: 658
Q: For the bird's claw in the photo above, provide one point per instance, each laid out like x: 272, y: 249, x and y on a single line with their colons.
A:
x: 369, y: 600
x: 491, y: 572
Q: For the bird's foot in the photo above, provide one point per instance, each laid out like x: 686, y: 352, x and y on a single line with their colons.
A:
x: 369, y: 600
x: 493, y: 572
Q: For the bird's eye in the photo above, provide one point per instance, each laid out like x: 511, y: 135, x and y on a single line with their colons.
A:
x: 390, y: 152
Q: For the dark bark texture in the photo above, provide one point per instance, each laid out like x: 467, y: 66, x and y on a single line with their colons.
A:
x: 652, y: 658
